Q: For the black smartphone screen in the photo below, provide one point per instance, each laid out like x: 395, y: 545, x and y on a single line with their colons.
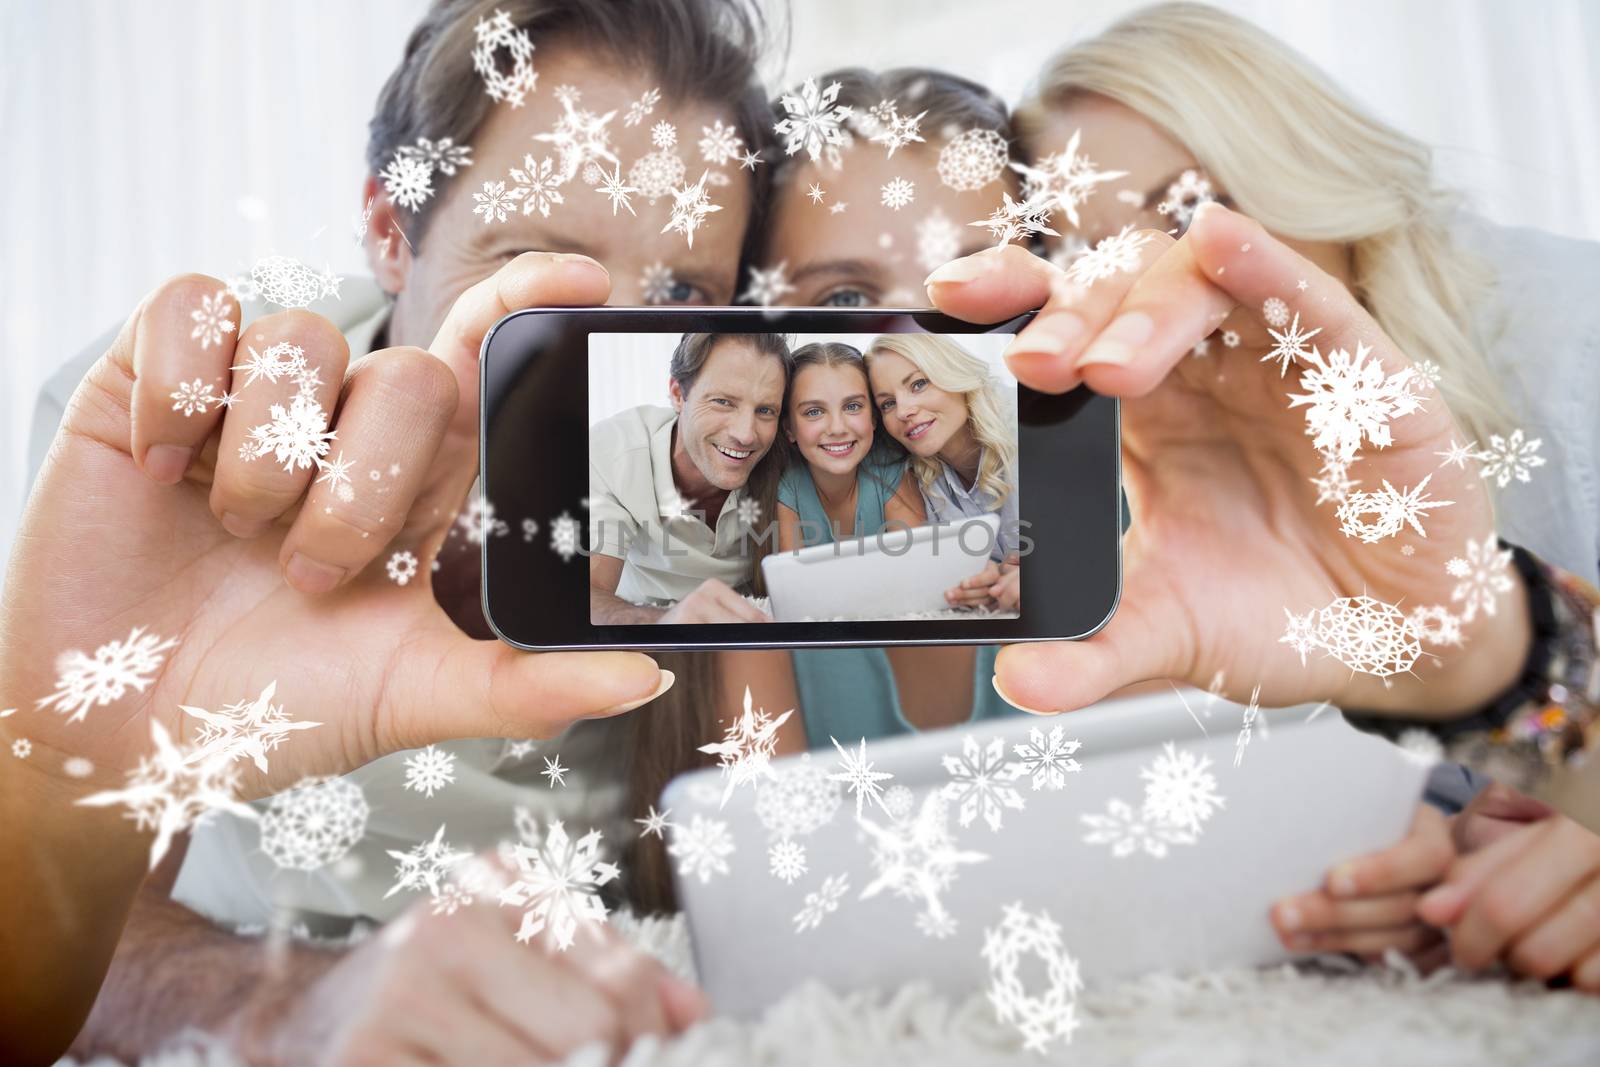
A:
x: 659, y: 478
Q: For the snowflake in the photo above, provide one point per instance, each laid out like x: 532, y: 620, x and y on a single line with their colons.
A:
x: 1420, y: 746
x: 917, y: 859
x: 882, y: 124
x: 564, y: 536
x: 408, y: 181
x: 297, y: 436
x: 664, y: 135
x: 535, y: 185
x: 613, y: 187
x: 748, y: 512
x: 553, y: 770
x: 494, y: 203
x: 1301, y: 633
x: 657, y: 174
x: 191, y: 397
x: 558, y: 884
x: 1251, y: 713
x: 938, y: 240
x: 821, y: 903
x: 425, y: 865
x: 690, y: 206
x: 1458, y: 454
x: 1333, y: 481
x: 798, y: 799
x: 1368, y: 635
x: 289, y: 283
x: 656, y: 283
x: 720, y: 144
x: 1128, y: 832
x: 22, y: 748
x: 1012, y: 220
x: 336, y: 473
x: 211, y: 319
x: 1184, y: 196
x: 787, y: 860
x: 745, y: 752
x: 171, y: 792
x: 579, y: 137
x: 936, y: 924
x: 655, y: 822
x: 1041, y: 1017
x: 1047, y: 759
x: 1482, y: 576
x: 402, y: 567
x: 1111, y: 255
x: 1179, y: 791
x: 767, y: 287
x: 1230, y: 338
x: 314, y: 823
x: 1430, y: 372
x: 567, y: 95
x: 84, y: 681
x: 1510, y: 457
x: 494, y: 34
x: 1066, y: 179
x: 1275, y: 312
x: 478, y: 523
x: 816, y: 193
x: 1290, y: 345
x: 980, y: 781
x: 858, y: 776
x: 897, y: 193
x: 702, y: 848
x: 972, y: 159
x: 812, y: 121
x: 1350, y: 398
x: 642, y: 107
x: 429, y: 770
x: 245, y: 728
x: 1392, y: 511
x: 443, y: 155
x: 277, y: 361
x: 1436, y: 624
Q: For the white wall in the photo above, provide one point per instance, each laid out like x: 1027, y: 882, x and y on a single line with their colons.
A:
x: 145, y: 139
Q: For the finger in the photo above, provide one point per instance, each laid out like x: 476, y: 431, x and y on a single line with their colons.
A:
x: 741, y: 609
x: 1419, y: 860
x: 683, y: 1003
x: 625, y: 975
x: 183, y: 347
x: 1144, y: 640
x: 1586, y: 976
x: 1320, y: 913
x: 1407, y: 940
x: 1496, y: 810
x: 1524, y: 890
x: 1563, y: 938
x: 447, y: 685
x: 287, y: 373
x: 396, y: 406
x: 1444, y: 904
x: 573, y: 1011
x: 533, y: 279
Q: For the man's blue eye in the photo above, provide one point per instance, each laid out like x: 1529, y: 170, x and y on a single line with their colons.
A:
x: 846, y: 298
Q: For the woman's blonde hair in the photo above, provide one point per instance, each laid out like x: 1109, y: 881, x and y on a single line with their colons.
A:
x: 1295, y: 153
x: 955, y: 370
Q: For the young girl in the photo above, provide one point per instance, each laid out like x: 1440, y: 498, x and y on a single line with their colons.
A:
x: 841, y: 478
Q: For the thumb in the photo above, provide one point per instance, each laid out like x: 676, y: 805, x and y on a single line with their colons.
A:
x: 1447, y: 902
x: 455, y: 686
x: 684, y: 1004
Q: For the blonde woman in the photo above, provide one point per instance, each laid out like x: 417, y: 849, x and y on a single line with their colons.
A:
x: 946, y: 409
x: 1348, y: 236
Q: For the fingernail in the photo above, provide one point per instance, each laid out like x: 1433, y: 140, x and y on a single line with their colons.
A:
x: 1114, y: 346
x: 1342, y: 880
x: 312, y: 576
x: 1288, y: 916
x: 166, y: 463
x: 240, y: 526
x: 1444, y: 898
x: 995, y: 680
x: 1300, y: 942
x: 956, y: 271
x: 1050, y: 336
x: 667, y: 678
x: 1205, y: 207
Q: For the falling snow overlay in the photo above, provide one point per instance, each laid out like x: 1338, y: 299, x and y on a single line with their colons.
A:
x: 657, y: 174
x: 1275, y: 312
x: 613, y: 187
x: 557, y: 885
x: 812, y: 122
x: 856, y: 773
x: 1510, y: 457
x: 494, y: 203
x: 425, y: 866
x: 656, y: 283
x: 282, y: 360
x: 314, y: 823
x: 1371, y: 517
x: 478, y: 522
x: 821, y: 903
x: 22, y: 748
x: 664, y: 135
x: 642, y: 108
x: 495, y: 34
x: 246, y: 728
x: 84, y: 681
x: 402, y: 567
x: 1247, y: 726
x: 745, y: 752
x: 579, y: 137
x: 211, y: 319
x: 1127, y: 832
x: 170, y: 792
x: 938, y: 240
x: 336, y: 474
x: 443, y: 155
x: 981, y: 780
x: 297, y: 437
x: 535, y: 185
x: 786, y: 860
x: 291, y: 284
x: 1482, y: 577
x: 690, y: 206
x: 1180, y: 791
x: 882, y: 124
x: 1349, y: 399
x: 408, y: 181
x: 1047, y: 758
x: 916, y: 859
x: 1113, y: 255
x: 193, y: 397
x: 564, y: 532
x: 1458, y: 454
x: 1063, y: 180
x: 972, y: 159
x: 798, y: 798
x: 1289, y: 345
x: 554, y: 772
x: 767, y: 287
x: 655, y: 822
x: 721, y: 144
x: 1184, y: 196
x: 1301, y: 633
x: 1436, y: 624
x: 1014, y: 220
x: 702, y: 848
x: 429, y: 770
x: 1368, y: 635
x: 1041, y: 1016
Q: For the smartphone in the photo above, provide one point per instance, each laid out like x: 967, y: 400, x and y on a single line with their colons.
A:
x: 702, y: 478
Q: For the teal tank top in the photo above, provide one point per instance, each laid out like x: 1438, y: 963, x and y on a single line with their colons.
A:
x: 876, y: 481
x: 850, y: 693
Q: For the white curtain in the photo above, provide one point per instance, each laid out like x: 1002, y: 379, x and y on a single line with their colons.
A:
x: 141, y: 140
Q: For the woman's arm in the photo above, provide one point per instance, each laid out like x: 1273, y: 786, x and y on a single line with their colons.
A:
x: 788, y: 529
x: 905, y: 506
x: 768, y: 674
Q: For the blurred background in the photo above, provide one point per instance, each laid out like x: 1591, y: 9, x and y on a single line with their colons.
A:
x: 144, y: 139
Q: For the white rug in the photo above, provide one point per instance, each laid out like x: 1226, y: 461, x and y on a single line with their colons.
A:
x: 1329, y: 1014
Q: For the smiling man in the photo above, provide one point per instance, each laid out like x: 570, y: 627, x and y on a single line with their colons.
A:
x: 671, y: 489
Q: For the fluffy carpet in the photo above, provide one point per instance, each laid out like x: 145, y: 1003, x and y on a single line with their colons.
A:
x: 1329, y: 1013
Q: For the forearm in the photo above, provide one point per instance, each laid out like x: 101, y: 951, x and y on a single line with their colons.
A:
x: 611, y: 610
x: 175, y: 970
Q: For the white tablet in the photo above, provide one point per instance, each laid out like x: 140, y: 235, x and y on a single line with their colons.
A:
x: 1303, y: 796
x: 895, y: 573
